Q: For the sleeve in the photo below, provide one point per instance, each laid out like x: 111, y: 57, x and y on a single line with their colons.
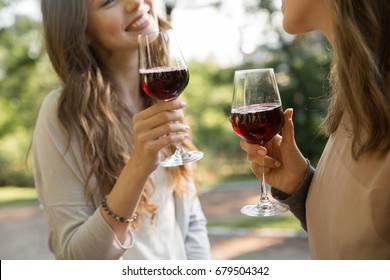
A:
x: 297, y: 201
x: 197, y: 241
x: 77, y: 229
x: 193, y: 224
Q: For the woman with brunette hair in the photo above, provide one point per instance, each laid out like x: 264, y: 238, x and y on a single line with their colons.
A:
x: 345, y: 203
x: 98, y: 137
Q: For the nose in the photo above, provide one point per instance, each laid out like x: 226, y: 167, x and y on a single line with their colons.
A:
x: 131, y: 5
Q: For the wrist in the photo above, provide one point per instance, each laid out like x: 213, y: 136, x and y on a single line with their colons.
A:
x: 305, y: 179
x: 299, y: 178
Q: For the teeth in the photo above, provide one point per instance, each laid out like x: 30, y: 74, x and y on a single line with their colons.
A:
x: 141, y: 21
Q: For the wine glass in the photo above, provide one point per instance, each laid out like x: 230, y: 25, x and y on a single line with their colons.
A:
x: 164, y: 75
x: 257, y: 116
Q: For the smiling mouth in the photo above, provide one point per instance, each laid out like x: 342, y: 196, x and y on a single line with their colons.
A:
x: 139, y: 22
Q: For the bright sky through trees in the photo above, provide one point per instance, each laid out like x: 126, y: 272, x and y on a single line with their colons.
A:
x: 219, y: 30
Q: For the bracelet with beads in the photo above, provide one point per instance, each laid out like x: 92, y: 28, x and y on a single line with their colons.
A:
x: 115, y: 216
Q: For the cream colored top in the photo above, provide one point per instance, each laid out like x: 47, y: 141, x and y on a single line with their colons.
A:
x: 163, y: 238
x: 348, y: 204
x: 77, y: 229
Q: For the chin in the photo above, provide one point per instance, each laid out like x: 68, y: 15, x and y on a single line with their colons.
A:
x: 287, y: 28
x: 292, y: 29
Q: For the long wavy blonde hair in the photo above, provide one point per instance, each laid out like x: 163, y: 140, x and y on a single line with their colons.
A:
x: 360, y: 72
x: 89, y: 106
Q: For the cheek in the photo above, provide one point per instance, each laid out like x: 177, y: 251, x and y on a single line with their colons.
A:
x: 102, y: 31
x: 101, y: 23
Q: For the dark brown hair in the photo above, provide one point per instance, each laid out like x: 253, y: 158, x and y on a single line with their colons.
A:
x: 360, y: 73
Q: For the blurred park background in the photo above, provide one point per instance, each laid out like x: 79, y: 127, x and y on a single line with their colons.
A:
x: 217, y: 38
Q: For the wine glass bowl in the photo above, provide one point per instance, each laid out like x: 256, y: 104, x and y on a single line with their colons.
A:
x: 164, y: 83
x: 257, y: 123
x: 257, y: 116
x: 164, y: 76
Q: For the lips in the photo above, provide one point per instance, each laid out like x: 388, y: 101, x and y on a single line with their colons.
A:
x: 144, y: 19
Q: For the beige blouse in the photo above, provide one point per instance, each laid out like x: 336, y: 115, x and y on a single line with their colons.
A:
x: 77, y: 229
x: 348, y: 204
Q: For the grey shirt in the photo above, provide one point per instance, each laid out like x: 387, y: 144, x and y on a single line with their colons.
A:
x: 297, y: 201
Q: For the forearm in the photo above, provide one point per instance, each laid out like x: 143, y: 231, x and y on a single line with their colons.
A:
x: 124, y: 197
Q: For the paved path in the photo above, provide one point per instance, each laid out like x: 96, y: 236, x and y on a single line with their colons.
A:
x: 23, y: 231
x: 239, y: 243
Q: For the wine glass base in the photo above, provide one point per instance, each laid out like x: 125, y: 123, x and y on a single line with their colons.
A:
x: 179, y: 159
x: 265, y: 209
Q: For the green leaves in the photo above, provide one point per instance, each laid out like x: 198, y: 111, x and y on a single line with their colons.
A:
x: 301, y: 65
x: 25, y: 78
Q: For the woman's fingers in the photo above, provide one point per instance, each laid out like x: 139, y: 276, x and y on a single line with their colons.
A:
x: 163, y: 131
x: 158, y: 108
x: 258, y: 154
x: 251, y: 148
x: 288, y: 128
x: 258, y: 169
x: 266, y: 162
x: 169, y: 128
x: 155, y: 145
x: 158, y: 117
x: 159, y: 126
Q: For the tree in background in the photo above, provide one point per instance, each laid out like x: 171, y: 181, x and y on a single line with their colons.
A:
x: 24, y: 79
x: 300, y: 62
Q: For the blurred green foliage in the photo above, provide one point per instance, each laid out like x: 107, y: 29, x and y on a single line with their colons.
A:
x: 275, y: 222
x: 23, y: 80
x: 17, y: 196
x: 301, y: 64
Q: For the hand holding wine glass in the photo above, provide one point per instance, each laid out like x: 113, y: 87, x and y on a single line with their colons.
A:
x: 257, y: 116
x: 164, y: 75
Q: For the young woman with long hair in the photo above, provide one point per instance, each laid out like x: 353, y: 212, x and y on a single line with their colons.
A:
x: 98, y: 138
x: 344, y: 204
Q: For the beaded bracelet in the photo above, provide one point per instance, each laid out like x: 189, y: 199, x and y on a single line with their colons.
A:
x: 115, y: 216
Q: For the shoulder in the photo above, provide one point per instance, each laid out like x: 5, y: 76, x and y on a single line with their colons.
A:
x: 48, y: 124
x: 50, y: 103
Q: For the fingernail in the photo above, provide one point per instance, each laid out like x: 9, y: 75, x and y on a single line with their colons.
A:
x: 261, y: 152
x: 277, y: 163
x: 182, y: 103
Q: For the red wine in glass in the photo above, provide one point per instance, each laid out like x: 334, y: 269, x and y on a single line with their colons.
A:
x: 164, y: 83
x: 256, y: 116
x: 257, y: 123
x: 164, y: 75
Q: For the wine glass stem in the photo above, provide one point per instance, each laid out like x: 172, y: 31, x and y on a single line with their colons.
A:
x: 263, y: 188
x: 179, y: 149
